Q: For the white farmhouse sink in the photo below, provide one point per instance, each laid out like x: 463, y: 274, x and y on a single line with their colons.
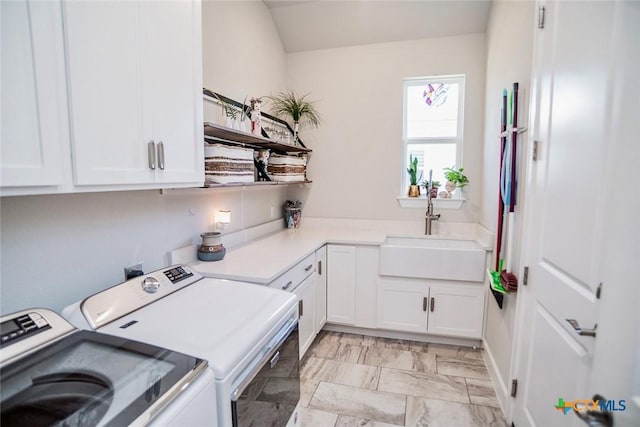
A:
x: 431, y: 258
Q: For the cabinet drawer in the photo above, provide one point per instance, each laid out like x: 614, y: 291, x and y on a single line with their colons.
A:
x: 294, y: 276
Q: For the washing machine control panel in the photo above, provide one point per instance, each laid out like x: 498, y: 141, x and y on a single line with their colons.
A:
x: 177, y: 274
x: 22, y: 326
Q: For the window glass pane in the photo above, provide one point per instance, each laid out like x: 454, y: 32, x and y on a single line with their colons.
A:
x: 434, y: 157
x: 432, y: 110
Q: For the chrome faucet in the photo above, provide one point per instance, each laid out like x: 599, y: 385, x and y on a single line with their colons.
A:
x: 429, y: 217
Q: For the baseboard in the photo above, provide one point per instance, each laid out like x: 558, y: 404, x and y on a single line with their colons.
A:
x: 437, y: 339
x: 499, y: 385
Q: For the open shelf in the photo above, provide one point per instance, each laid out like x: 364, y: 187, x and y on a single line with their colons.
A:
x: 237, y: 185
x: 217, y: 133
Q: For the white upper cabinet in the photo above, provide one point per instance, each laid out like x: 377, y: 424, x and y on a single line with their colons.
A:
x: 34, y: 110
x: 135, y: 92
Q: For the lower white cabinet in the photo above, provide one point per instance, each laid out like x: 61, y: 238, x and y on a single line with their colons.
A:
x: 306, y: 294
x: 321, y: 288
x: 435, y: 307
x: 341, y: 284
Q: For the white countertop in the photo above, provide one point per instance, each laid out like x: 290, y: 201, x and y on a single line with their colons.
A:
x: 263, y: 260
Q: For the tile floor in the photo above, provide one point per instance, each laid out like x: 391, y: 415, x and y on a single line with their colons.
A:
x: 354, y: 380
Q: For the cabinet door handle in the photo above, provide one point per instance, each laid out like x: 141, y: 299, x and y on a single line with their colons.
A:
x: 151, y: 151
x: 289, y: 283
x: 320, y: 267
x: 424, y: 304
x: 308, y: 267
x: 161, y: 155
x: 433, y: 303
x: 300, y: 309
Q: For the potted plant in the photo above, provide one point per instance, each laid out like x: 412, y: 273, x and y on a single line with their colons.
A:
x: 435, y: 186
x: 289, y: 105
x: 412, y: 170
x: 455, y: 178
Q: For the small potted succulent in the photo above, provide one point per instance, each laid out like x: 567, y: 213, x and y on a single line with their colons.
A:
x: 455, y: 178
x: 412, y: 170
x: 435, y: 186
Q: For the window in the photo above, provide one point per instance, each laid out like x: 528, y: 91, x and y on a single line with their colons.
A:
x: 432, y: 125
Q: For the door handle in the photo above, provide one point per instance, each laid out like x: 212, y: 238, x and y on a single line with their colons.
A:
x: 580, y: 331
x: 596, y: 418
x: 308, y: 267
x: 424, y: 304
x: 161, y: 155
x: 151, y: 151
x: 433, y: 303
x: 300, y: 309
x: 289, y: 283
x: 320, y: 267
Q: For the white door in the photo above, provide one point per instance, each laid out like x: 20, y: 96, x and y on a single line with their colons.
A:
x: 171, y: 52
x: 456, y: 310
x: 568, y: 213
x: 34, y: 105
x: 402, y: 305
x: 307, y: 300
x: 321, y: 288
x: 341, y: 284
x: 109, y: 127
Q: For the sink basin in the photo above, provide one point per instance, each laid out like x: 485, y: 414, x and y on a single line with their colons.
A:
x: 429, y: 258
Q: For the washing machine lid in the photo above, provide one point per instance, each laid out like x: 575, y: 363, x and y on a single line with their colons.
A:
x: 87, y: 378
x: 218, y: 320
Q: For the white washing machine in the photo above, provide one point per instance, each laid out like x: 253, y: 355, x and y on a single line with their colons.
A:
x: 54, y: 374
x: 246, y: 332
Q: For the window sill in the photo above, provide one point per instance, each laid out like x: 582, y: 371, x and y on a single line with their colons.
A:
x: 421, y: 203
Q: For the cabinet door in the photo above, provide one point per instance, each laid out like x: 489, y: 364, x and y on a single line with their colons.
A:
x: 341, y: 284
x: 321, y: 288
x: 171, y: 64
x: 109, y: 127
x: 306, y: 328
x: 456, y: 310
x: 402, y: 305
x: 34, y: 106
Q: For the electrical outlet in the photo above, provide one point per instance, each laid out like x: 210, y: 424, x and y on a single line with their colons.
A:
x: 132, y: 271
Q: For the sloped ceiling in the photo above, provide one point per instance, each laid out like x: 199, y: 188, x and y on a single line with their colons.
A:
x: 322, y: 24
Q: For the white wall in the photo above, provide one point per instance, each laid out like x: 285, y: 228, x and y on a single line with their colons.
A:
x: 509, y: 56
x: 243, y: 55
x: 356, y: 165
x: 57, y: 249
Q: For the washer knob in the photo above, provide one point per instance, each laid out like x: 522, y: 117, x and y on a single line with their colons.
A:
x: 150, y: 284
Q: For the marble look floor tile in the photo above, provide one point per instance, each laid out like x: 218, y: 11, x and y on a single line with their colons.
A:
x: 327, y: 349
x: 344, y: 373
x: 315, y: 418
x: 481, y: 392
x: 423, y: 385
x: 356, y: 375
x: 439, y: 413
x: 392, y: 344
x: 398, y: 359
x: 348, y: 353
x: 306, y: 392
x: 419, y: 347
x: 344, y: 421
x: 360, y: 403
x: 455, y: 351
x: 355, y: 339
x: 462, y: 368
x: 317, y: 369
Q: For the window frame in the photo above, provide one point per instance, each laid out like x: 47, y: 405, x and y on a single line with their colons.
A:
x: 458, y: 140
